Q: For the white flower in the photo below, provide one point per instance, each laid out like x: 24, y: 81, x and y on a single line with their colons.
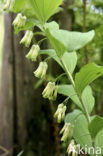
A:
x: 26, y: 40
x: 9, y: 5
x: 33, y: 53
x: 72, y: 148
x: 19, y: 21
x: 60, y: 113
x: 67, y: 131
x: 50, y: 91
x: 41, y: 70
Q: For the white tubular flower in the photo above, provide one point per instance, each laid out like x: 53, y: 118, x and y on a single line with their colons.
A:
x: 26, y: 40
x: 33, y: 53
x: 50, y: 91
x: 72, y: 148
x: 9, y: 5
x: 19, y: 21
x: 41, y: 70
x: 60, y: 113
x: 67, y: 131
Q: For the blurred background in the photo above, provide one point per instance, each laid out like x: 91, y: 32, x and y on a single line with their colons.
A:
x: 27, y: 125
x: 1, y: 40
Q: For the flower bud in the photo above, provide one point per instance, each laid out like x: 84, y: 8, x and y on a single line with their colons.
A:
x: 9, y: 5
x: 50, y: 91
x: 67, y: 131
x: 41, y: 71
x: 60, y: 113
x: 26, y: 40
x: 72, y: 148
x: 33, y: 53
x: 19, y: 21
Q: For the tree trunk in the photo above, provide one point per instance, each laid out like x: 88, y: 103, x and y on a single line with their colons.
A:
x: 7, y: 90
x: 67, y: 16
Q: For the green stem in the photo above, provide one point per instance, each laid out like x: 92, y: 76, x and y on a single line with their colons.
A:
x: 68, y: 73
x: 73, y: 84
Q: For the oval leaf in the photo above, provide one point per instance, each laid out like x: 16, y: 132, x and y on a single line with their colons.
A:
x: 72, y: 57
x: 96, y: 125
x: 63, y: 40
x: 45, y: 8
x: 81, y: 133
x: 87, y: 74
x: 87, y: 96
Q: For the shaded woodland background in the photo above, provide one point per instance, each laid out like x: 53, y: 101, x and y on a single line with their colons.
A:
x: 26, y: 119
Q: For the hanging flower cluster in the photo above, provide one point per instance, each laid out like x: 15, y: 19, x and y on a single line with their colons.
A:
x: 41, y: 71
x: 67, y: 132
x: 19, y: 21
x: 60, y: 113
x: 50, y: 91
x: 72, y: 149
x: 9, y: 5
x: 33, y: 53
x: 26, y: 40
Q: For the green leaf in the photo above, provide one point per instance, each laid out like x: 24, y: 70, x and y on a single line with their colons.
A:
x: 87, y: 74
x: 45, y: 8
x: 99, y: 141
x: 52, y: 25
x: 88, y: 99
x: 63, y: 40
x: 95, y: 125
x: 57, y: 45
x: 87, y: 96
x: 19, y: 5
x: 28, y: 10
x: 70, y: 59
x: 71, y: 117
x: 51, y: 53
x: 81, y: 133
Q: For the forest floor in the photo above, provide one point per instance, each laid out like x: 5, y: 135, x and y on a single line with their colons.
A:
x: 1, y: 39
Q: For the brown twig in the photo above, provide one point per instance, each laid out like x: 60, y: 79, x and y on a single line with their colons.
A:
x: 6, y: 152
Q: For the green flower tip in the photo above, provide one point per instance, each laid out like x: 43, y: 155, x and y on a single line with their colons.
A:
x: 60, y: 113
x: 19, y: 21
x: 9, y: 5
x: 33, y: 53
x: 26, y: 40
x: 67, y: 131
x: 72, y: 149
x: 41, y: 70
x: 50, y: 91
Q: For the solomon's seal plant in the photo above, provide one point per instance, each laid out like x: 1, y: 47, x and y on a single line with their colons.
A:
x: 60, y: 113
x: 79, y: 124
x: 50, y: 91
x: 41, y: 70
x: 19, y: 21
x: 33, y: 53
x: 72, y: 148
x: 67, y: 131
x: 26, y: 40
